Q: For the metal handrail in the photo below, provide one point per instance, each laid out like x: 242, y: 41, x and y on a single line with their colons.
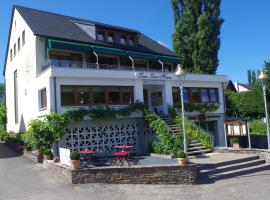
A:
x: 85, y: 65
x: 211, y: 137
x: 163, y: 122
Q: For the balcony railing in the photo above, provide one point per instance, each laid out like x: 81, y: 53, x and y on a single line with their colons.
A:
x: 83, y: 65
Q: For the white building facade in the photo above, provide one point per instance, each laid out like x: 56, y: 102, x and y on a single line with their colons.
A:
x: 50, y: 70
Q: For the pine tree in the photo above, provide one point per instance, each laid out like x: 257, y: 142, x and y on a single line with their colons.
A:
x: 196, y: 37
x: 249, y: 77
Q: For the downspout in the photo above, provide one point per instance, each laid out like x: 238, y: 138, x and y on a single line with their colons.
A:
x: 162, y: 65
x: 97, y: 59
x: 132, y: 62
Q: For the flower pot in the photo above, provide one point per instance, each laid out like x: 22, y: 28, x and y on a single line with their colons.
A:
x: 181, y: 162
x: 75, y: 164
x: 46, y: 157
x: 236, y: 145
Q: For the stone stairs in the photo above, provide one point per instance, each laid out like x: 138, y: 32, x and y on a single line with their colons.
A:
x: 195, y: 147
x: 212, y: 172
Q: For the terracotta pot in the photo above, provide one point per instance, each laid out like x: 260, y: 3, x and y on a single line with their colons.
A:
x: 46, y: 157
x: 75, y: 164
x: 181, y: 162
x: 236, y: 145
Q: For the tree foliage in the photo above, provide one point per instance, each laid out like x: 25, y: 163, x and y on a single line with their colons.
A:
x: 196, y: 38
x: 247, y: 104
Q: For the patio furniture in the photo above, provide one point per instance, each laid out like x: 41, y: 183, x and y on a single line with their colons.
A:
x: 124, y: 147
x: 119, y: 158
x: 87, y: 156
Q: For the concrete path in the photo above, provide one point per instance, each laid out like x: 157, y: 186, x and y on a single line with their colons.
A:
x: 20, y: 179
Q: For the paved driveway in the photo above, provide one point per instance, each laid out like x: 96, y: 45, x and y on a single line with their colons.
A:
x: 21, y: 179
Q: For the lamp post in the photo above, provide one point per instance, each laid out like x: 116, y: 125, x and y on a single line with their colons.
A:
x: 263, y: 76
x: 181, y: 73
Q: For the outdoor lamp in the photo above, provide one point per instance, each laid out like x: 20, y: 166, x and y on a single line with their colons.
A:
x: 181, y: 73
x: 262, y: 77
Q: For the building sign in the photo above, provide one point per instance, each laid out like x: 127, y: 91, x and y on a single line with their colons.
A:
x: 64, y: 156
x: 152, y: 75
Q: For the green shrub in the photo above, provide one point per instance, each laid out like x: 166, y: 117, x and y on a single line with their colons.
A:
x: 181, y: 154
x: 235, y: 140
x: 74, y: 155
x: 257, y: 127
x: 47, y: 152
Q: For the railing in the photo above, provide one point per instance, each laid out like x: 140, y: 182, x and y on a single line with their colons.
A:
x: 84, y: 65
x: 163, y: 122
x: 202, y: 133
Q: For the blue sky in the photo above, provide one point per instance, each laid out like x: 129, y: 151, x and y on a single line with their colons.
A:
x: 244, y: 36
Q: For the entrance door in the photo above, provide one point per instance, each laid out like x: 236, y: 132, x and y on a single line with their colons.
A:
x: 145, y: 97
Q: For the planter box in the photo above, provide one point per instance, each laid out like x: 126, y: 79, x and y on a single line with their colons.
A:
x: 236, y: 145
x: 166, y: 156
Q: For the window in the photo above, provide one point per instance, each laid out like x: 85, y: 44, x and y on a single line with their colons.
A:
x: 15, y: 50
x: 195, y: 95
x: 67, y: 96
x: 124, y: 61
x: 66, y: 60
x: 110, y: 37
x: 167, y: 67
x: 177, y: 97
x: 100, y: 35
x: 43, y: 98
x: 213, y: 95
x: 140, y: 65
x: 156, y: 98
x: 11, y: 55
x: 114, y: 95
x: 83, y: 95
x: 16, y: 113
x: 123, y: 39
x: 204, y: 95
x: 99, y: 95
x: 155, y: 66
x: 127, y: 95
x: 131, y: 41
x: 96, y: 95
x: 23, y: 38
x: 19, y: 44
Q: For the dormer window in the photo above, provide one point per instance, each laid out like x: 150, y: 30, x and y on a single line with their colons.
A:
x: 100, y: 35
x: 131, y: 41
x: 123, y: 39
x: 110, y: 37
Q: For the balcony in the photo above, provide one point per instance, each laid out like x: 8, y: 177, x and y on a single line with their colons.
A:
x: 83, y: 65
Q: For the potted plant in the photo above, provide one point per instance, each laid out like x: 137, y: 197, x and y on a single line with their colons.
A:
x: 75, y: 159
x: 181, y: 156
x: 235, y: 142
x: 47, y: 153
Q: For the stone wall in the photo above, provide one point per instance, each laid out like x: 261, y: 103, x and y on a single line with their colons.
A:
x: 128, y: 175
x: 31, y: 156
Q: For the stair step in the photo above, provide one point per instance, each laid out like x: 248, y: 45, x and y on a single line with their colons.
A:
x: 200, y: 152
x: 241, y: 171
x: 195, y: 144
x: 196, y: 148
x: 194, y: 141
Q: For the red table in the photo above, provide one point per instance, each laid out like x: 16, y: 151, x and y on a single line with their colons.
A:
x: 87, y: 155
x: 121, y: 157
x: 123, y: 147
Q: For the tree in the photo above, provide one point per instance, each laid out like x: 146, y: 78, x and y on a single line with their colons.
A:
x: 196, y: 38
x: 249, y: 77
x: 252, y: 77
x: 247, y: 104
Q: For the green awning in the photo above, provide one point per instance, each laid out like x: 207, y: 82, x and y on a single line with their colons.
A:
x: 141, y: 55
x: 58, y: 44
x: 74, y: 46
x: 109, y: 51
x: 169, y: 59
